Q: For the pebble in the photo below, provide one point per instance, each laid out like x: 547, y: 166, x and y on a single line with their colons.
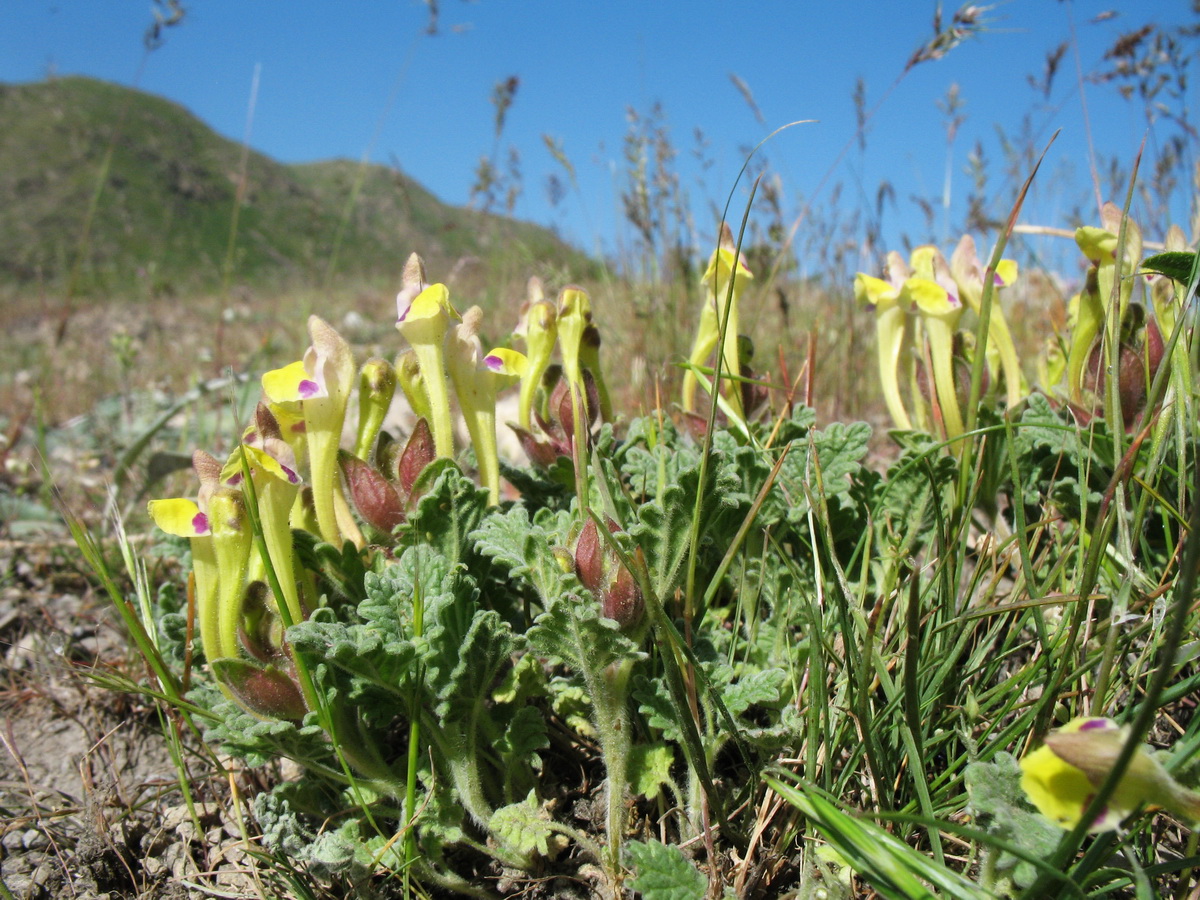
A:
x: 13, y: 840
x: 35, y: 840
x: 154, y: 868
x: 19, y: 885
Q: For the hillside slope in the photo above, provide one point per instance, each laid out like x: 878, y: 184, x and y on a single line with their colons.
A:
x: 163, y: 212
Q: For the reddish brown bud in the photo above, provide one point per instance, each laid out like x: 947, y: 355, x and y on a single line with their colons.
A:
x: 600, y: 571
x: 266, y: 691
x: 589, y: 558
x: 540, y: 453
x: 375, y: 498
x: 623, y: 601
x: 418, y: 453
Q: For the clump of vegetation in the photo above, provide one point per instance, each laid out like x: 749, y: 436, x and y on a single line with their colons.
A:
x: 660, y: 654
x: 729, y: 646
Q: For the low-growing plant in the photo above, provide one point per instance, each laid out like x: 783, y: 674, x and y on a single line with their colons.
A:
x: 710, y: 655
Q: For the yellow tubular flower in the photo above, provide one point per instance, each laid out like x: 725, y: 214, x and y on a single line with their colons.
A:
x: 725, y: 266
x: 892, y: 333
x: 968, y: 273
x: 1061, y: 777
x: 929, y: 288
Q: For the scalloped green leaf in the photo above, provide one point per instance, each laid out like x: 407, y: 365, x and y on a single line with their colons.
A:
x: 1177, y: 265
x: 574, y: 631
x: 650, y: 769
x: 523, y: 827
x: 447, y: 514
x: 664, y: 873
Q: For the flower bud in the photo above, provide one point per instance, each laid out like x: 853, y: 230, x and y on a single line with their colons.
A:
x: 265, y: 691
x: 419, y: 452
x: 374, y: 497
x: 601, y: 572
x: 376, y: 387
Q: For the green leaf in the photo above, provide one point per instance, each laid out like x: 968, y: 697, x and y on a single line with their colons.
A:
x: 999, y: 805
x: 836, y: 453
x: 1177, y: 265
x: 655, y: 704
x: 664, y: 525
x: 574, y: 631
x: 650, y: 769
x: 523, y: 827
x: 525, y: 737
x: 761, y: 687
x: 447, y: 514
x: 664, y: 873
x: 889, y: 865
x: 914, y: 485
x: 463, y: 672
x: 526, y: 548
x: 259, y: 741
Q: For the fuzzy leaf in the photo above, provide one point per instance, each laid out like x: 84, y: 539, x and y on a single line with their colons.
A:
x: 446, y: 515
x: 835, y: 453
x: 258, y: 741
x: 378, y: 663
x: 665, y: 524
x: 650, y: 769
x: 526, y: 549
x: 477, y: 660
x: 522, y: 827
x: 525, y: 736
x: 504, y: 538
x: 572, y: 630
x: 664, y: 873
x: 914, y: 484
x: 761, y: 687
x: 998, y: 803
x: 654, y: 702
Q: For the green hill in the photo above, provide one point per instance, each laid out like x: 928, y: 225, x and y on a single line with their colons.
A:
x: 163, y: 213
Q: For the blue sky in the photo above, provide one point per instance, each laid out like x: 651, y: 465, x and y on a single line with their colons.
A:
x: 355, y: 78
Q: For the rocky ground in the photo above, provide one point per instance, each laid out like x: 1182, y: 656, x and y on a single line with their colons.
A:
x: 90, y: 805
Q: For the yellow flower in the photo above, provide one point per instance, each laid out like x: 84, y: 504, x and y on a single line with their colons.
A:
x: 725, y: 265
x: 1062, y: 776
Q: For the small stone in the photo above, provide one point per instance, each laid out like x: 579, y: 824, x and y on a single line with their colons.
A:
x: 19, y: 885
x: 175, y: 816
x: 154, y: 868
x: 44, y: 873
x: 13, y: 840
x: 35, y: 840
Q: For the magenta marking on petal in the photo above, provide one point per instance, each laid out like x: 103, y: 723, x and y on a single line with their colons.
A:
x: 308, y: 388
x: 1093, y: 724
x: 299, y: 428
x: 200, y: 523
x: 234, y: 480
x: 292, y: 477
x: 997, y: 280
x: 493, y: 362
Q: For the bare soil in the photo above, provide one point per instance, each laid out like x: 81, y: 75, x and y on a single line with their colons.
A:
x: 90, y: 805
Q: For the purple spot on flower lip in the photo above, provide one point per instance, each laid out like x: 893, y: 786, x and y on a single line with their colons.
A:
x: 293, y: 478
x: 308, y: 388
x: 200, y: 523
x: 1093, y: 724
x: 299, y: 428
x: 493, y: 362
x: 234, y: 480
